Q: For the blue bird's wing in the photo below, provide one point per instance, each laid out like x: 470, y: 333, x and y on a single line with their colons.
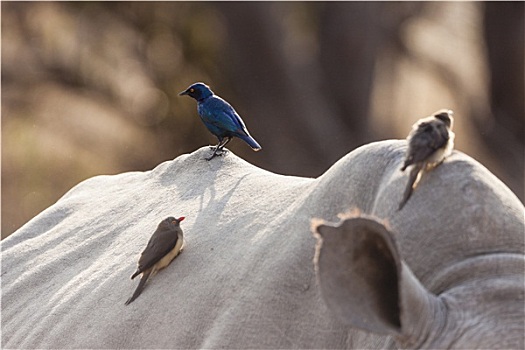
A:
x: 220, y: 117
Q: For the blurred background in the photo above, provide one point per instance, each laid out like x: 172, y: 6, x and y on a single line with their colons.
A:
x: 91, y: 88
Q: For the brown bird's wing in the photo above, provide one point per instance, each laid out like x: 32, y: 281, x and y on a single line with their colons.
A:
x: 160, y: 244
x: 426, y: 139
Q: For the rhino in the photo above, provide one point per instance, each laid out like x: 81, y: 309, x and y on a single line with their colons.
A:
x: 445, y: 272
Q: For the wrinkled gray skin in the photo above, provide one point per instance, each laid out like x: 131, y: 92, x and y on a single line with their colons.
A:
x: 477, y: 303
x: 452, y: 260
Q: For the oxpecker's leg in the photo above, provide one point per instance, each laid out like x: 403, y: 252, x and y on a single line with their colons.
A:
x: 431, y: 166
x: 140, y: 287
x: 411, y: 185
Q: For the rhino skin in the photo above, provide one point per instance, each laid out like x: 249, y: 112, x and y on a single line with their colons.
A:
x: 445, y: 272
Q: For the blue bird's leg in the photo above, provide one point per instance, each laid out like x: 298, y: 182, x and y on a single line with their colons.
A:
x: 228, y: 139
x: 219, y: 148
x: 214, y: 151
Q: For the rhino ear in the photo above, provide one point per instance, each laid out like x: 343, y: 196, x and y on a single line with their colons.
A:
x: 363, y: 279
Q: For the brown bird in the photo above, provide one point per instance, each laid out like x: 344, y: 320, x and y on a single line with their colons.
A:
x: 163, y: 246
x: 429, y: 143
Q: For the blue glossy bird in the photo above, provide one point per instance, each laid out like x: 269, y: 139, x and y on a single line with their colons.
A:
x: 219, y: 117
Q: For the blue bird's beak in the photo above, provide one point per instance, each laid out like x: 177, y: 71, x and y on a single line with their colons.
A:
x: 185, y: 92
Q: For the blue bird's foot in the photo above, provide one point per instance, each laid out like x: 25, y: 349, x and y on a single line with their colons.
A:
x: 217, y: 152
x: 219, y: 149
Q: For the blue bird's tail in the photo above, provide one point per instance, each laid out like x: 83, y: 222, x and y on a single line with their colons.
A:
x: 251, y: 141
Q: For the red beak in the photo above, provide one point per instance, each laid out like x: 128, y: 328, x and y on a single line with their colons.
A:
x: 181, y: 218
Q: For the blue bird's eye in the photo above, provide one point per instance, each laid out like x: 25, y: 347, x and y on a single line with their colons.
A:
x: 192, y: 90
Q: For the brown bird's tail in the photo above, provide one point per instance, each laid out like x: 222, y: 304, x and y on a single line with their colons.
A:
x: 411, y: 185
x: 140, y: 287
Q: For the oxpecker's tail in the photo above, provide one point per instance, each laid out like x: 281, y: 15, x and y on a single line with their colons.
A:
x: 140, y: 287
x: 411, y: 185
x: 251, y: 141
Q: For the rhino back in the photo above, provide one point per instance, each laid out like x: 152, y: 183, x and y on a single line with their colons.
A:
x: 245, y: 278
